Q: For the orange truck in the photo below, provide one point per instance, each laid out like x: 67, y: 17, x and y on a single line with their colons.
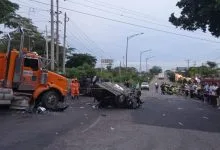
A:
x: 24, y: 80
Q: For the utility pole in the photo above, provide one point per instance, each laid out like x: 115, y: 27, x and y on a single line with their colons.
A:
x: 120, y: 71
x: 126, y: 55
x: 194, y: 63
x: 52, y: 36
x: 123, y: 61
x: 64, y: 44
x: 57, y: 35
x: 188, y: 61
x: 146, y: 63
x: 47, y: 45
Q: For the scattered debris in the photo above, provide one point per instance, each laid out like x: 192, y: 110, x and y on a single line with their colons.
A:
x: 205, y: 117
x: 179, y: 108
x: 41, y: 110
x: 90, y: 104
x: 81, y: 123
x: 112, y: 128
x: 57, y: 133
x: 59, y: 108
x: 164, y: 115
x: 85, y: 114
x: 180, y: 123
x: 81, y: 107
x: 94, y: 106
x: 104, y: 115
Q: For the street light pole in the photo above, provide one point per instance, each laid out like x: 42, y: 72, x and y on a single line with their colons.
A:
x: 126, y: 55
x: 141, y: 53
x: 147, y: 61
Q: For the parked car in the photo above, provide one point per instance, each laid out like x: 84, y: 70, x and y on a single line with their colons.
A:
x: 144, y: 86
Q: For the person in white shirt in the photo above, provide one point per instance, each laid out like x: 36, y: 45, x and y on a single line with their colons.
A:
x: 206, y: 93
x: 156, y: 87
x: 186, y: 89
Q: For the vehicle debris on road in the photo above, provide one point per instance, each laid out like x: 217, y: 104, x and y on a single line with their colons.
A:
x: 110, y: 94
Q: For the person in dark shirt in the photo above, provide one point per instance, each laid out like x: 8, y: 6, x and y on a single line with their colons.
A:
x: 162, y: 87
x: 218, y: 96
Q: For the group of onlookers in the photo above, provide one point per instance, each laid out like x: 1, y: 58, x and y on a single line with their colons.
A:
x: 208, y: 92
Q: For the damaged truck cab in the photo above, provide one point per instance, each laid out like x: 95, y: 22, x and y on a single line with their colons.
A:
x: 23, y: 76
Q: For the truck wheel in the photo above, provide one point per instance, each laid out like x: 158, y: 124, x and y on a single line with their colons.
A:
x: 50, y: 99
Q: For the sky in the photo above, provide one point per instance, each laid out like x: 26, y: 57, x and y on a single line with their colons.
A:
x: 106, y: 39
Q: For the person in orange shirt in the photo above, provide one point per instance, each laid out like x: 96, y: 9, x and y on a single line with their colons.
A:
x: 75, y: 89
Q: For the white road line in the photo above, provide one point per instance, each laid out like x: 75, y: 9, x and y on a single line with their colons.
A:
x: 92, y: 125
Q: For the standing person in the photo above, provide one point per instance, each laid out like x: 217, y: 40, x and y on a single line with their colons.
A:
x: 75, y: 88
x: 186, y: 90
x: 191, y: 90
x: 206, y: 93
x: 214, y: 95
x: 218, y: 96
x: 162, y: 87
x: 156, y: 87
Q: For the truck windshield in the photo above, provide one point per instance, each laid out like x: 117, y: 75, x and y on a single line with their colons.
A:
x: 32, y: 63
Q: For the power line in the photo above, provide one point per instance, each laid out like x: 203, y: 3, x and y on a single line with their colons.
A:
x: 27, y: 5
x: 141, y: 26
x: 89, y: 40
x: 121, y: 15
x: 82, y: 37
x: 114, y: 7
x: 79, y: 40
x: 132, y: 24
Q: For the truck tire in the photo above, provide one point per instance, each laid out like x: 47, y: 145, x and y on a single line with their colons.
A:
x: 50, y: 99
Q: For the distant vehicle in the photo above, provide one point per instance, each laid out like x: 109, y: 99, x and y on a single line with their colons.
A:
x: 144, y: 86
x: 161, y: 76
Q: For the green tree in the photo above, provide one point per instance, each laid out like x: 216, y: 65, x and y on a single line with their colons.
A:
x: 212, y: 64
x: 155, y: 70
x: 84, y: 71
x: 7, y: 12
x: 198, y: 14
x: 109, y: 67
x: 170, y: 75
x: 193, y: 71
x: 31, y: 36
x: 77, y: 60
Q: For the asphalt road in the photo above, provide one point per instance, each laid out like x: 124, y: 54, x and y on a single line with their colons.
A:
x: 162, y: 123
